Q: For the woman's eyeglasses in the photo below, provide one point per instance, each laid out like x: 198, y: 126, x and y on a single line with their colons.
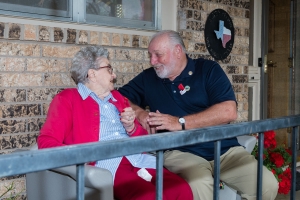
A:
x: 109, y: 68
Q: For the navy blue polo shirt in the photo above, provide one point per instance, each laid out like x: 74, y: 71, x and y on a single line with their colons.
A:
x: 205, y: 83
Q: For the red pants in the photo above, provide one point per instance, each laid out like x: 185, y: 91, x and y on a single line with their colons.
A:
x: 129, y: 186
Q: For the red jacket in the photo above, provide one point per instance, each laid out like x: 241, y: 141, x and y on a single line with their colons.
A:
x: 72, y: 120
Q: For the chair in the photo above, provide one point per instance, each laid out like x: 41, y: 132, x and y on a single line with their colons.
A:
x: 60, y: 183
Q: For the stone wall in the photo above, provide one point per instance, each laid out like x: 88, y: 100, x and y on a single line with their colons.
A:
x: 35, y: 60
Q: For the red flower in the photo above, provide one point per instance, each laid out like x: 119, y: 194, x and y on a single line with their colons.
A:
x: 277, y: 159
x: 289, y: 151
x: 269, y: 139
x: 288, y: 173
x: 284, y: 185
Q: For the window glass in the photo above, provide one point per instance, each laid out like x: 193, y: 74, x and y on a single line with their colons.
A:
x: 128, y: 13
x: 36, y: 8
x: 49, y: 4
x: 124, y: 13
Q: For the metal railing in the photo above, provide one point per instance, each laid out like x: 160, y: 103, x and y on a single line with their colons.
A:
x: 31, y: 161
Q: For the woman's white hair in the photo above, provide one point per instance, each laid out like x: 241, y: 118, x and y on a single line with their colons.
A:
x: 84, y: 60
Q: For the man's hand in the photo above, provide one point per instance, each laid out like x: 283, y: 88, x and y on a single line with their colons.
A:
x: 221, y: 113
x: 142, y: 116
x: 164, y: 121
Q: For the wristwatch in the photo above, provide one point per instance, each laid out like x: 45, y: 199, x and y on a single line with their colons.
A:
x: 181, y: 120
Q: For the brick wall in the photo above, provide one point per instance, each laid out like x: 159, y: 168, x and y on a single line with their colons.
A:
x: 192, y: 15
x: 35, y: 60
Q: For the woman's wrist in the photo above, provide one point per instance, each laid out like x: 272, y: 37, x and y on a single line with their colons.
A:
x: 131, y: 130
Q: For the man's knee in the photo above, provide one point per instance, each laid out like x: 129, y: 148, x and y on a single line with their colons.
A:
x: 270, y: 185
x: 270, y: 192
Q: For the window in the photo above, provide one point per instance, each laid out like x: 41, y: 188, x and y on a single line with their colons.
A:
x: 142, y: 14
x: 127, y: 12
x: 36, y: 8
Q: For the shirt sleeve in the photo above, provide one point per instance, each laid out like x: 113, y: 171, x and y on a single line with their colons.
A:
x: 57, y: 124
x: 134, y: 90
x: 218, y: 85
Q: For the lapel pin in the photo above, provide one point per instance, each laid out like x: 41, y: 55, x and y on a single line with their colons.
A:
x: 182, y: 89
x: 187, y: 88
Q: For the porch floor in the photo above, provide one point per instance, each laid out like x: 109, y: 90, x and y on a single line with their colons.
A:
x: 287, y: 197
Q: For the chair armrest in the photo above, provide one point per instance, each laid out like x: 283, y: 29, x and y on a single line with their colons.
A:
x: 94, y: 177
x: 99, y: 179
x: 247, y: 141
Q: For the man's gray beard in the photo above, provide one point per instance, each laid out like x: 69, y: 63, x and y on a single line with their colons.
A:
x: 163, y: 74
x: 160, y: 76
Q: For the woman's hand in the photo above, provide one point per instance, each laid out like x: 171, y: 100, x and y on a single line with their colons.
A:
x: 143, y: 116
x: 127, y: 118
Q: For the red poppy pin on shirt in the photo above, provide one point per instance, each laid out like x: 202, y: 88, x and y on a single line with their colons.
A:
x: 182, y: 89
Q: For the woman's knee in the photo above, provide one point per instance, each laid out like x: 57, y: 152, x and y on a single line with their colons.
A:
x: 175, y: 187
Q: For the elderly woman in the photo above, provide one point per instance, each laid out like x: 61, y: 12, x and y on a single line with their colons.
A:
x: 94, y: 111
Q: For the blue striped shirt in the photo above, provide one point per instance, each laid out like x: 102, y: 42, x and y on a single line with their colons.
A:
x: 111, y: 128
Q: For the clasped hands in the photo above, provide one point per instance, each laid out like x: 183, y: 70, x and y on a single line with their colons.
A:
x: 151, y: 121
x: 155, y: 121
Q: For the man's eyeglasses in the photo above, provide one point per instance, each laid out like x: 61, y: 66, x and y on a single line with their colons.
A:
x: 109, y: 67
